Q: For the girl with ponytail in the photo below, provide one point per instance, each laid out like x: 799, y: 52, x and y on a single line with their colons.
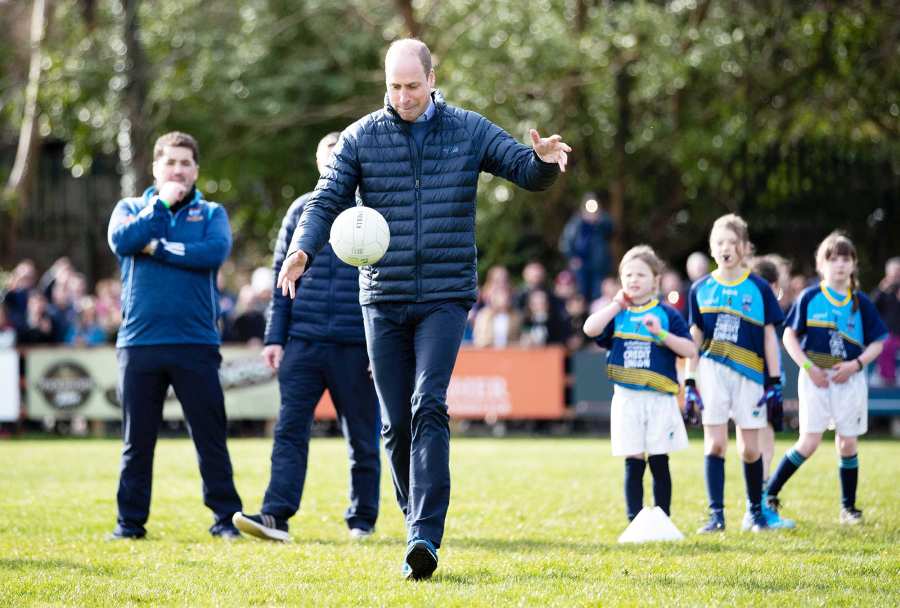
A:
x: 833, y: 332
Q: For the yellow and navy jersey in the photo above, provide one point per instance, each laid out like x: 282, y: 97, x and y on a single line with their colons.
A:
x: 633, y: 358
x: 830, y: 331
x: 733, y: 316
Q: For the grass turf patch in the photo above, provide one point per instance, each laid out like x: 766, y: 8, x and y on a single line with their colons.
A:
x: 532, y: 521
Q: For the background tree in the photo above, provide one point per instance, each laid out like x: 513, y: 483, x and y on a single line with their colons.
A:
x: 786, y: 112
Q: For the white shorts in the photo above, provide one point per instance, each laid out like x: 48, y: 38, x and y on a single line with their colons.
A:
x: 846, y: 406
x: 645, y: 421
x: 728, y: 394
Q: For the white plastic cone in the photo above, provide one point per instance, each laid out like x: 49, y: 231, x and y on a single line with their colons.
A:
x: 650, y: 525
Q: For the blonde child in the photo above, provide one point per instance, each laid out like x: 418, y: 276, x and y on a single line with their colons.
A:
x: 733, y: 316
x: 643, y: 337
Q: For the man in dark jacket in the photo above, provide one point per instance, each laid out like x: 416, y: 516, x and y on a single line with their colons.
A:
x: 317, y: 342
x: 170, y: 243
x: 417, y: 162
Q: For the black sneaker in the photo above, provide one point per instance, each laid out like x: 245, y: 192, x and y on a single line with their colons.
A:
x: 716, y: 522
x: 121, y: 533
x: 262, y: 526
x: 421, y: 560
x: 225, y: 530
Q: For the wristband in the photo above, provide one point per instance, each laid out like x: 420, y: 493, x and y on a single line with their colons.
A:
x: 689, y: 381
x: 661, y: 336
x: 771, y: 381
x: 859, y: 363
x: 807, y: 365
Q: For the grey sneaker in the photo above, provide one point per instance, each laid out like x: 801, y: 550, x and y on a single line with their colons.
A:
x: 851, y: 516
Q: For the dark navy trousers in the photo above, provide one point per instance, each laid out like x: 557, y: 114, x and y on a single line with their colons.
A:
x: 306, y: 370
x: 145, y: 374
x: 413, y: 348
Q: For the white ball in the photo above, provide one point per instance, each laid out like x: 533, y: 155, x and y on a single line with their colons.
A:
x: 360, y: 236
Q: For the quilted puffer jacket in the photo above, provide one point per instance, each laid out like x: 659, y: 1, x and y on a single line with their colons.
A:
x: 427, y: 196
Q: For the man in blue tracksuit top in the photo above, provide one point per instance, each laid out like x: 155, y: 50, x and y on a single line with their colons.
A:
x: 170, y: 243
x: 417, y: 161
x: 317, y: 342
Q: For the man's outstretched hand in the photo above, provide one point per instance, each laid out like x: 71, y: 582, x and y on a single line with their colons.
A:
x: 291, y: 270
x: 551, y: 149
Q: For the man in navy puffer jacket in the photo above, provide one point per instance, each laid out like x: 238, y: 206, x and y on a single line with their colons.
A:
x: 170, y: 243
x: 317, y: 342
x: 417, y: 161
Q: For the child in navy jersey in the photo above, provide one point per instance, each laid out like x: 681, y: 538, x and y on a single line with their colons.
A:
x: 643, y: 337
x: 832, y: 331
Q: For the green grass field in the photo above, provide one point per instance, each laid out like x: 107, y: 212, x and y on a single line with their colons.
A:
x: 532, y: 522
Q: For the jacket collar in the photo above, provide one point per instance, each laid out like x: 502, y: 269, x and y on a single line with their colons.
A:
x: 436, y: 97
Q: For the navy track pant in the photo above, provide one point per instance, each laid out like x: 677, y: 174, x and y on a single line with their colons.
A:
x: 306, y: 370
x: 413, y: 348
x: 145, y: 374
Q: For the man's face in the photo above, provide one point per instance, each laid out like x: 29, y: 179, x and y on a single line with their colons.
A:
x: 323, y: 155
x: 892, y: 271
x: 176, y: 164
x: 409, y: 87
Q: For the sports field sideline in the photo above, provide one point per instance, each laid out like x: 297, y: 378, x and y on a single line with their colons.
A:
x: 533, y: 521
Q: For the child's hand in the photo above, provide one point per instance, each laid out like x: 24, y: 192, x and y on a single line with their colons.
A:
x: 651, y: 322
x: 843, y: 371
x: 693, y: 403
x: 621, y: 298
x: 818, y: 376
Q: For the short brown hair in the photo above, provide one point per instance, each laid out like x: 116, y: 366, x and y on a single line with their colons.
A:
x: 765, y: 268
x: 176, y: 139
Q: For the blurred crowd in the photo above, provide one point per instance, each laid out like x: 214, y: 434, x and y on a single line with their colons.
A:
x: 56, y: 307
x: 540, y: 311
x: 533, y: 310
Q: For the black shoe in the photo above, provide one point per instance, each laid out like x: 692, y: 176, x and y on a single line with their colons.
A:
x: 225, y: 530
x: 262, y: 526
x: 121, y: 533
x: 421, y: 560
x: 716, y: 522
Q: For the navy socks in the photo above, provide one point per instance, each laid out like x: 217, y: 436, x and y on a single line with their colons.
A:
x: 787, y: 467
x: 662, y: 482
x: 634, y: 486
x: 753, y: 479
x: 715, y: 481
x: 849, y: 474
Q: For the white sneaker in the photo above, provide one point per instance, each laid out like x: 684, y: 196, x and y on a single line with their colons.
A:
x: 361, y: 533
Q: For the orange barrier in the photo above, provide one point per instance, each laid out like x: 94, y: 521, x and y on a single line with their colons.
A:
x: 500, y: 384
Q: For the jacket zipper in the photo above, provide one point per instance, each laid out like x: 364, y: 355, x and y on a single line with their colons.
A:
x: 332, y: 296
x: 416, y: 166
